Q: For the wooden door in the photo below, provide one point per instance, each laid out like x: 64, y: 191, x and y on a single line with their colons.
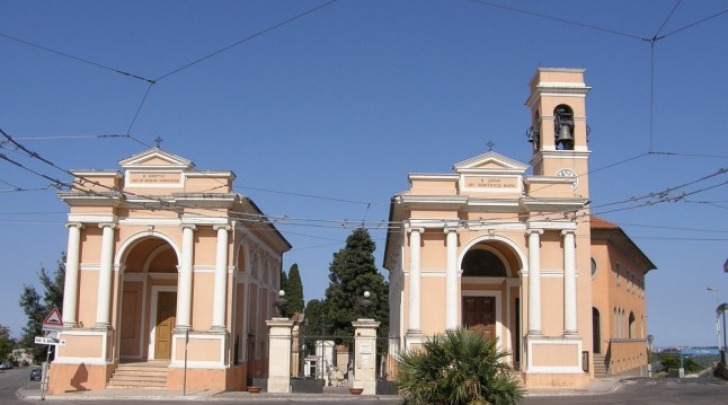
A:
x: 479, y: 314
x: 166, y: 320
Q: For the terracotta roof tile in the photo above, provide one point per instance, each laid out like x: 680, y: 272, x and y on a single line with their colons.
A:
x: 599, y: 223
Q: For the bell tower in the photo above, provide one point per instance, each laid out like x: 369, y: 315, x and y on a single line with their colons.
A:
x: 558, y: 131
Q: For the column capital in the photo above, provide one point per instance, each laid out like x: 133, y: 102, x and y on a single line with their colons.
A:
x: 107, y: 225
x: 418, y: 230
x: 533, y: 230
x: 568, y: 232
x: 78, y: 225
x: 188, y: 226
x: 449, y: 229
x: 225, y: 227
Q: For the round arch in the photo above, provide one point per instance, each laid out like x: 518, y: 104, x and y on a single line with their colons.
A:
x: 488, y: 238
x: 243, y: 248
x: 132, y: 240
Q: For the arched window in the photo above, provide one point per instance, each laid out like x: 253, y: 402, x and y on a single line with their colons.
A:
x: 483, y: 263
x: 632, y: 326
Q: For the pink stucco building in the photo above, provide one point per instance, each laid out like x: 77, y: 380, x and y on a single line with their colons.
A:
x: 166, y: 266
x: 517, y: 254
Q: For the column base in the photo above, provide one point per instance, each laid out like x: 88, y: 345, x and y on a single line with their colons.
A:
x: 413, y: 338
x: 279, y: 385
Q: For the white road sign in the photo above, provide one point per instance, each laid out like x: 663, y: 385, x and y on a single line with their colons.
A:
x: 42, y: 340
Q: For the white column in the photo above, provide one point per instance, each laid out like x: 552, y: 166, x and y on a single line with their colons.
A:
x: 534, y: 282
x: 184, y: 281
x: 220, y: 286
x: 414, y: 285
x: 451, y: 279
x: 104, y: 294
x: 70, y: 286
x: 570, y: 327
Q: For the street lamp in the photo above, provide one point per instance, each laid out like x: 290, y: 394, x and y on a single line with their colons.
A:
x: 281, y: 304
x: 365, y: 304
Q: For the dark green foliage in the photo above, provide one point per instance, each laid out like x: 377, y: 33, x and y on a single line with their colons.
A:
x: 460, y: 367
x: 294, y: 290
x: 313, y: 312
x: 6, y: 343
x: 351, y: 273
x: 37, y: 308
x: 671, y: 363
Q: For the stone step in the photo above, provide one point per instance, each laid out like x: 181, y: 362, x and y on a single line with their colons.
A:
x: 600, y: 367
x: 139, y: 375
x: 148, y: 373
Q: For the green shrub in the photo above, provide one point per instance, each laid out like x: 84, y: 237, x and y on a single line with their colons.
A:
x: 459, y: 367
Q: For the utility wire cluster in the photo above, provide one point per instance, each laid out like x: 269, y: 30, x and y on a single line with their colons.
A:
x: 156, y: 203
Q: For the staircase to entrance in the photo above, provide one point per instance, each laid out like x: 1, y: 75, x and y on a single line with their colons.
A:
x: 600, y: 366
x: 140, y: 375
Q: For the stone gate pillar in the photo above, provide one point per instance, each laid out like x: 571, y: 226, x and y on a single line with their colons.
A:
x: 279, y: 355
x: 365, y: 355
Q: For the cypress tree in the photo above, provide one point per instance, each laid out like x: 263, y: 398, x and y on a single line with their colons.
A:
x: 294, y: 290
x: 351, y: 273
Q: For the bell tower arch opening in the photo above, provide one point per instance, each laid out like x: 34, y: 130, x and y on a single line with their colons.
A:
x: 564, y: 127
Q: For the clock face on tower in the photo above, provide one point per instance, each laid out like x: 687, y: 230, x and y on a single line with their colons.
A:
x: 569, y: 173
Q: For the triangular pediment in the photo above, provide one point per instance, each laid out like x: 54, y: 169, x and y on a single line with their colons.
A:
x: 156, y: 158
x: 490, y: 162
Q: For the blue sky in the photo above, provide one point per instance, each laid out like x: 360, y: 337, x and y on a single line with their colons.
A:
x: 314, y: 104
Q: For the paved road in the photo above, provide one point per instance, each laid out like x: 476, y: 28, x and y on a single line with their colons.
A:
x: 636, y: 391
x: 10, y: 381
x: 644, y: 391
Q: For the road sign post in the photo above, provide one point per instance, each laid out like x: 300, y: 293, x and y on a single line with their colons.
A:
x: 51, y: 325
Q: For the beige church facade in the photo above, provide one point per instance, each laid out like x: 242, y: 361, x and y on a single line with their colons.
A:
x: 518, y: 256
x: 169, y: 273
x: 173, y: 275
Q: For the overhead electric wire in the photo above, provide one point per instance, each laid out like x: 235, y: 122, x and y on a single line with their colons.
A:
x: 318, y: 197
x: 62, y: 137
x: 699, y: 155
x: 674, y: 8
x: 246, y: 39
x: 139, y: 109
x: 54, y: 182
x: 667, y: 191
x: 76, y: 58
x: 346, y: 222
x: 673, y: 228
x: 696, y: 23
x: 555, y: 18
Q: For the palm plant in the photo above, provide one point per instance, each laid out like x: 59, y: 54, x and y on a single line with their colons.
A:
x: 459, y: 367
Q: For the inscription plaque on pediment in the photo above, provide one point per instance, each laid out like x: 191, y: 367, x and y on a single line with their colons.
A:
x: 491, y: 183
x: 154, y: 179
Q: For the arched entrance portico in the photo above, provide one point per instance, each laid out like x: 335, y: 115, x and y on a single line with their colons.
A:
x: 490, y: 294
x: 148, y: 299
